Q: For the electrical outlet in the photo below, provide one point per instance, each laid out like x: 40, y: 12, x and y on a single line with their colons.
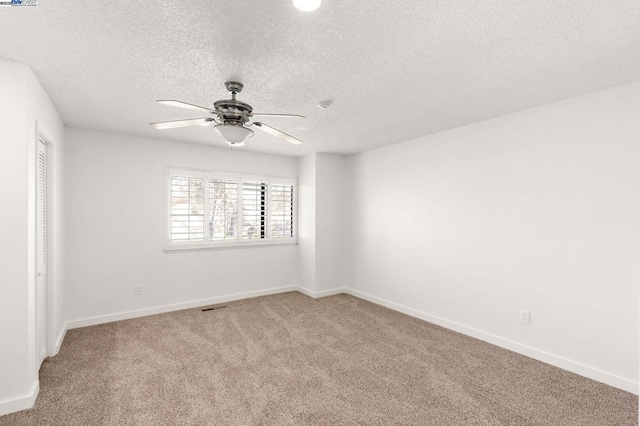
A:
x: 525, y: 317
x: 137, y: 289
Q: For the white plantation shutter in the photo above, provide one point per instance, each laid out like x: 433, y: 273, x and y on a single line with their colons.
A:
x: 281, y: 211
x: 254, y: 210
x: 187, y: 208
x: 223, y: 209
x: 216, y: 209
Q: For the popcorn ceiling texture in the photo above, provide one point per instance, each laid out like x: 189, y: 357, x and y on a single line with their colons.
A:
x: 291, y: 360
x: 395, y: 70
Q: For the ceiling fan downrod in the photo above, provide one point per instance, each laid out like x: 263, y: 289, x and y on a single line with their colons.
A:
x: 234, y: 87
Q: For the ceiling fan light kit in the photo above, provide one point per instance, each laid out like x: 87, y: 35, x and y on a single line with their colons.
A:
x: 233, y: 134
x: 231, y: 116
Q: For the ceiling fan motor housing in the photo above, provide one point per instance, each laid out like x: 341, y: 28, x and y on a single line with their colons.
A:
x: 229, y: 109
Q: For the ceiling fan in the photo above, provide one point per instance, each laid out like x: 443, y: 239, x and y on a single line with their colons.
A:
x: 232, y: 118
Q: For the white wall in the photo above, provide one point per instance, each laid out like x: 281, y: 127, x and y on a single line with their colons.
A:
x: 538, y: 210
x: 321, y: 223
x: 115, y: 196
x: 23, y: 102
x: 330, y: 226
x: 307, y: 222
x: 16, y: 375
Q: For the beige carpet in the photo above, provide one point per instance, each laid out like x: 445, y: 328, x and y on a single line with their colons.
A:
x: 292, y: 360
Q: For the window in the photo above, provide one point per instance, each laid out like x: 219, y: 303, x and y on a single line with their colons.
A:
x: 187, y: 208
x: 218, y: 209
x: 223, y: 209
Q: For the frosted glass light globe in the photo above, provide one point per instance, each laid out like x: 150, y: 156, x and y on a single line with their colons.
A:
x: 233, y: 134
x: 307, y: 5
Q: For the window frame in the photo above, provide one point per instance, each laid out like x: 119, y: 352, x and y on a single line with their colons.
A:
x: 239, y: 241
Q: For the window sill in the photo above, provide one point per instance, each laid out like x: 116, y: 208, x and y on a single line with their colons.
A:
x: 226, y: 245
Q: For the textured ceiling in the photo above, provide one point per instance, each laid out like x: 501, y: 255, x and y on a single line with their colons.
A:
x: 395, y: 70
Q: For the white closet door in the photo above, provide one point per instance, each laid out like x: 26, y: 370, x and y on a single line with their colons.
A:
x: 41, y: 252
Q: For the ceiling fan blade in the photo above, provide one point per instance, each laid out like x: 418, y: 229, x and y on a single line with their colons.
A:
x: 278, y: 133
x: 256, y: 114
x: 181, y: 123
x: 263, y: 114
x: 186, y: 105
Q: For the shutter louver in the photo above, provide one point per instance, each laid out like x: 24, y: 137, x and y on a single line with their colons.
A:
x: 254, y: 210
x: 42, y: 207
x: 187, y: 209
x: 281, y: 211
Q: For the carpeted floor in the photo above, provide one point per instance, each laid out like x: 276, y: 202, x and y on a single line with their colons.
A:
x: 292, y: 360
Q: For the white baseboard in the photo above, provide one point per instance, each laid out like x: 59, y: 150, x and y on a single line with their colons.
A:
x: 21, y: 403
x: 41, y: 356
x: 546, y: 357
x: 540, y: 355
x: 323, y: 293
x: 85, y: 322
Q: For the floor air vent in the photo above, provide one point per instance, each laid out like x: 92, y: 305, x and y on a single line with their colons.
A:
x: 214, y: 308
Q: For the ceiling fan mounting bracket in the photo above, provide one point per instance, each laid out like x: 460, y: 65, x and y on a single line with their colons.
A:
x: 234, y: 86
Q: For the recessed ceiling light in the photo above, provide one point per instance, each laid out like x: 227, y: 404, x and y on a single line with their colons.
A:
x: 307, y: 5
x: 325, y: 104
